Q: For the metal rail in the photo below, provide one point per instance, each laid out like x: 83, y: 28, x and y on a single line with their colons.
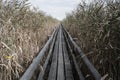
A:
x: 60, y: 63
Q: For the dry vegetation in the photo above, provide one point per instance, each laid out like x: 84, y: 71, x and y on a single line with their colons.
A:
x: 23, y: 31
x: 97, y: 27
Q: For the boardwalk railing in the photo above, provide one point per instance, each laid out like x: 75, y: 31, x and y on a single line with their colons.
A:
x: 30, y: 71
x: 60, y: 62
x: 92, y: 69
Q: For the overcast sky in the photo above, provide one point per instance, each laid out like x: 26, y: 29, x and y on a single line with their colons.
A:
x: 56, y: 8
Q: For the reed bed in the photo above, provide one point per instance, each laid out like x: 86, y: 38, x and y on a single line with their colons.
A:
x: 97, y: 27
x: 23, y: 32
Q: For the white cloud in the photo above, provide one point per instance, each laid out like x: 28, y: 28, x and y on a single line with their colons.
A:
x: 56, y: 8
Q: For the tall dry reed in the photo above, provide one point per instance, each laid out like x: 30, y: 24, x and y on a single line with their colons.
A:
x: 23, y: 32
x: 97, y: 27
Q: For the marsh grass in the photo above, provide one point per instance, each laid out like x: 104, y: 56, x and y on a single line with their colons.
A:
x: 23, y: 32
x: 97, y: 27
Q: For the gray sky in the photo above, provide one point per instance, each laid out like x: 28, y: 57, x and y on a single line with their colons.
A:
x: 56, y: 8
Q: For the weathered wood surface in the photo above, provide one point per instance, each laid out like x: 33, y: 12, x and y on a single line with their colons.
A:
x: 50, y: 54
x: 89, y: 65
x: 60, y: 63
x: 53, y: 69
x: 68, y: 67
x: 30, y: 71
x: 60, y: 74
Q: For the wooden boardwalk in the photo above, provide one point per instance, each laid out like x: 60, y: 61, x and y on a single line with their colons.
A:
x: 60, y: 62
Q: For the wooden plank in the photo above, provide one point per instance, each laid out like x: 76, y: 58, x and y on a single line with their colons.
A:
x: 89, y: 65
x: 53, y: 69
x: 60, y: 74
x: 81, y: 77
x: 30, y: 71
x: 50, y: 54
x: 68, y: 68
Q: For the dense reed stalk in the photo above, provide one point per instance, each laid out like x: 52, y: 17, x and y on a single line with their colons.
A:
x: 97, y: 27
x: 23, y: 31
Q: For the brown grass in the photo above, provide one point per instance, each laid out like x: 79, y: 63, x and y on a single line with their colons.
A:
x: 97, y: 27
x: 23, y: 33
